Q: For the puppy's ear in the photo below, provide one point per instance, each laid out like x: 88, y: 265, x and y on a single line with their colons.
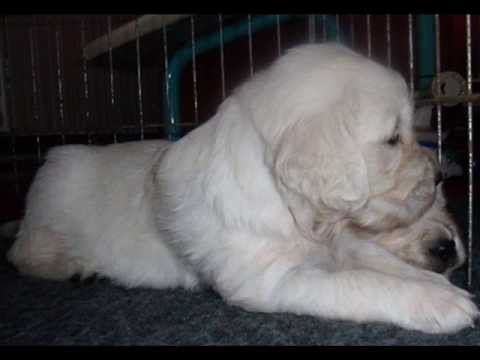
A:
x: 319, y: 163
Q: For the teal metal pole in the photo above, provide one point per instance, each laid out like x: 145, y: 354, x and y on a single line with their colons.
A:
x: 183, y: 56
x: 426, y: 50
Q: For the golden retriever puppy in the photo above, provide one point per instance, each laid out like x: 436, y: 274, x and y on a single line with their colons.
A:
x: 305, y: 193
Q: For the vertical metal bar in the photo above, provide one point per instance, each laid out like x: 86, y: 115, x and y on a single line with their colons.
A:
x: 324, y: 27
x: 37, y: 57
x: 85, y: 81
x: 110, y: 60
x: 470, y: 149
x: 250, y: 44
x: 110, y: 64
x: 34, y: 83
x: 352, y: 30
x: 312, y: 26
x: 438, y: 106
x: 60, y: 83
x: 171, y: 121
x: 279, y: 39
x: 369, y: 36
x: 139, y: 81
x: 167, y: 75
x: 194, y: 70
x: 222, y: 63
x: 410, y: 54
x: 388, y: 26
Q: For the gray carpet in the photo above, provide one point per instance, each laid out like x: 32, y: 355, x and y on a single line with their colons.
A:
x: 39, y: 312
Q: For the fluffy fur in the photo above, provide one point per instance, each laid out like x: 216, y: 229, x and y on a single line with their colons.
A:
x: 305, y: 193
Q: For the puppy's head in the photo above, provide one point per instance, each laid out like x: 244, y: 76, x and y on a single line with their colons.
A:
x: 432, y: 242
x: 339, y: 130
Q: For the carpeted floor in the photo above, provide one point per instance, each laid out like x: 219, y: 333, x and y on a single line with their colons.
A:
x: 39, y: 312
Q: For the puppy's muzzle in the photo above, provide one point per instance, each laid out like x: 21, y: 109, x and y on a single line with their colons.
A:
x: 443, y: 255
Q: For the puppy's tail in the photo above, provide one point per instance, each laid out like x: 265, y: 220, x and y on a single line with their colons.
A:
x: 9, y: 229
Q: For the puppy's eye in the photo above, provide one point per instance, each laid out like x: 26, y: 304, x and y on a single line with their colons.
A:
x: 394, y: 140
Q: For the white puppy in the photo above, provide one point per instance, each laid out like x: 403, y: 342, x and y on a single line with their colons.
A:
x: 305, y: 193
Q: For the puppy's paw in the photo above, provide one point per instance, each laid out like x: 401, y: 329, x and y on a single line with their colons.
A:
x: 436, y: 308
x: 441, y: 280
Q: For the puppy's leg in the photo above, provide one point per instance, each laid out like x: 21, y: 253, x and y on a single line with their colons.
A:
x: 41, y: 252
x: 360, y: 254
x: 270, y: 279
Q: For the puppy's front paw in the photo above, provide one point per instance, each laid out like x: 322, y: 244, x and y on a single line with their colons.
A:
x: 437, y: 308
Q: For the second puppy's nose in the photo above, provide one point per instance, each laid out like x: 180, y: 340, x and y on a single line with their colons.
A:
x: 444, y: 250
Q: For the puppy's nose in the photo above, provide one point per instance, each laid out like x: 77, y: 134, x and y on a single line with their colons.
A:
x: 444, y: 250
x: 438, y: 178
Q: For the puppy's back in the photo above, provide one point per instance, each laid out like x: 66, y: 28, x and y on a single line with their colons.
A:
x: 74, y: 196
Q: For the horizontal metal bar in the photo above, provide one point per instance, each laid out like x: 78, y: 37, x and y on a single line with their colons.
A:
x: 474, y: 99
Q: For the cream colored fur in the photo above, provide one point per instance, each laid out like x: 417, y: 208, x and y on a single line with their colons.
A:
x: 289, y: 199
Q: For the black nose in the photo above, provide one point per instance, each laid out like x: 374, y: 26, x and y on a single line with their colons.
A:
x: 444, y: 249
x: 438, y: 178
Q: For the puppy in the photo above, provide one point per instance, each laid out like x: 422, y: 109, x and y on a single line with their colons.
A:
x: 306, y: 193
